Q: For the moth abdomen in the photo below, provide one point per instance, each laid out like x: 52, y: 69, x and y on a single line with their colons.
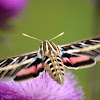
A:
x: 55, y: 68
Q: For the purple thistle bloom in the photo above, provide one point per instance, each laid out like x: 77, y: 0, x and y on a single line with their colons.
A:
x: 42, y: 89
x: 9, y: 9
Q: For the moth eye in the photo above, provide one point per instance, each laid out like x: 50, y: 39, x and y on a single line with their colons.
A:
x: 51, y: 66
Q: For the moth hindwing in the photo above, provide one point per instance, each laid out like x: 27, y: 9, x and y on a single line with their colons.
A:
x: 52, y: 58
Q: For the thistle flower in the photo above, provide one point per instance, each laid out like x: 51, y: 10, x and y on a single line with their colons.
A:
x: 42, y: 89
x: 9, y: 9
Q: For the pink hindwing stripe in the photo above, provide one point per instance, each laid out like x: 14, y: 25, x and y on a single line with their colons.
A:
x: 74, y: 60
x: 33, y: 69
x: 26, y: 71
x: 78, y: 62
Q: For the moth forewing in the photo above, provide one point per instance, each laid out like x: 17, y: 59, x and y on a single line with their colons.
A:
x: 6, y: 72
x: 89, y: 47
x: 82, y: 41
x: 85, y: 49
x: 10, y: 67
x: 33, y: 53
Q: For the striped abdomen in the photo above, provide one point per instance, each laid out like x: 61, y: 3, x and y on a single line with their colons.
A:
x: 55, y: 68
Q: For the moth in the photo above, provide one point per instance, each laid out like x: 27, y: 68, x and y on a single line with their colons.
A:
x: 51, y: 58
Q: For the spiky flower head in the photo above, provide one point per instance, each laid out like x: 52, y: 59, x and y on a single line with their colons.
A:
x: 42, y: 89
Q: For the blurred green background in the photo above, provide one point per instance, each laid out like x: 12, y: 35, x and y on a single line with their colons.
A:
x: 45, y: 19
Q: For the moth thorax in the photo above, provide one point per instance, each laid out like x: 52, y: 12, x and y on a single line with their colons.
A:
x: 48, y: 47
x: 55, y: 68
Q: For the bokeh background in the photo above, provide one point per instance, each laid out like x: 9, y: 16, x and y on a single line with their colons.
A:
x: 45, y: 19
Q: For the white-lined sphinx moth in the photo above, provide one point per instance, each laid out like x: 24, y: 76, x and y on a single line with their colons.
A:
x: 52, y: 58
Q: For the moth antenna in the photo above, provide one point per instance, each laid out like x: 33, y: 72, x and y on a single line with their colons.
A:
x: 56, y: 36
x: 31, y: 37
